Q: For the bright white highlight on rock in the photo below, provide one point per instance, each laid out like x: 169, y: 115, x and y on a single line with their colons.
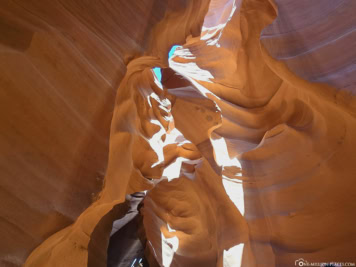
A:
x: 234, y: 190
x: 173, y: 170
x: 222, y: 157
x: 169, y: 247
x: 170, y: 229
x: 233, y: 187
x: 216, y: 21
x: 156, y: 143
x: 193, y: 69
x: 233, y: 256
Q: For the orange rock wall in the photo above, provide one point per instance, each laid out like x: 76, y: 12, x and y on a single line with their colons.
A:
x: 60, y: 65
x: 247, y: 161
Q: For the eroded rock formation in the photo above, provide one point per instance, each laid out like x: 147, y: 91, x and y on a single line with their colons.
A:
x: 244, y: 159
x: 60, y: 66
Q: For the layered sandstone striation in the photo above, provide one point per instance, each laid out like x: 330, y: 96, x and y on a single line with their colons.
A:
x: 244, y: 149
x: 61, y: 63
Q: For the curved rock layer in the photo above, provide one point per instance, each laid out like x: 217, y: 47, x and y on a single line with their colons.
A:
x: 245, y: 160
x: 315, y: 40
x: 60, y: 65
x: 74, y: 241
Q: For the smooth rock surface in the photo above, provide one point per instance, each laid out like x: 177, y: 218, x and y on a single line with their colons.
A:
x: 245, y: 149
x: 60, y: 65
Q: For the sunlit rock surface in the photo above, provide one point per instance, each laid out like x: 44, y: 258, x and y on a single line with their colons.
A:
x: 243, y: 150
x: 61, y: 63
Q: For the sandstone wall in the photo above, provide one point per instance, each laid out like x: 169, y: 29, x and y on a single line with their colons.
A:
x: 246, y: 158
x: 60, y: 65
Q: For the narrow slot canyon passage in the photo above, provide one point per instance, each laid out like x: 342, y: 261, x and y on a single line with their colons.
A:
x: 179, y: 133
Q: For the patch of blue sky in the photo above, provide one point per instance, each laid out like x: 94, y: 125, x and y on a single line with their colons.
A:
x: 173, y: 49
x: 158, y: 73
x: 157, y: 70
